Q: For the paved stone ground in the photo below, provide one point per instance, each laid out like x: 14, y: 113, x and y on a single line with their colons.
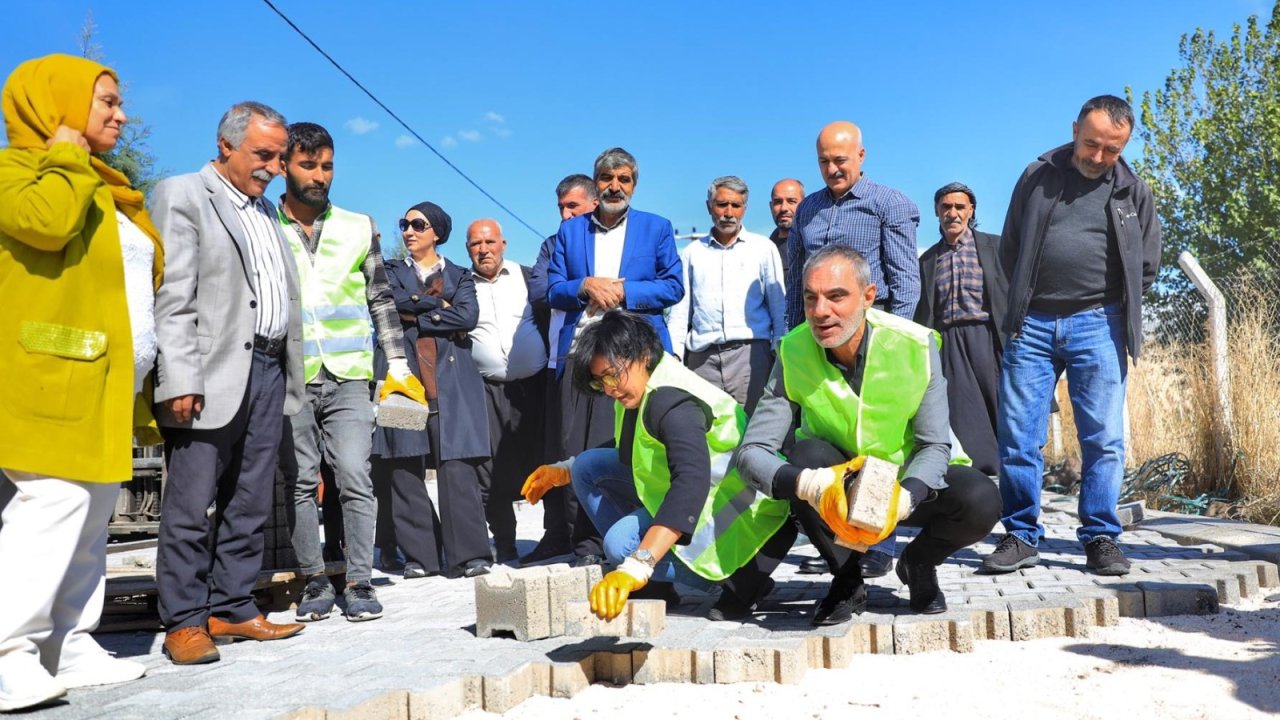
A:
x: 423, y: 660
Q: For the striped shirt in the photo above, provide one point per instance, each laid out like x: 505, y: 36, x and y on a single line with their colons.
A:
x: 267, y: 255
x: 877, y: 221
x: 958, y: 281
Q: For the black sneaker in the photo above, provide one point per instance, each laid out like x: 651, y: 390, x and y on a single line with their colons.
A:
x: 813, y: 566
x: 847, y: 597
x: 362, y: 602
x: 317, y: 600
x: 730, y: 607
x: 875, y: 564
x: 476, y: 568
x: 1009, y: 555
x: 1105, y: 557
x: 922, y: 583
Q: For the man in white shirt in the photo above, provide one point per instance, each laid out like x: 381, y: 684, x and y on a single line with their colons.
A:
x: 733, y: 314
x: 510, y: 351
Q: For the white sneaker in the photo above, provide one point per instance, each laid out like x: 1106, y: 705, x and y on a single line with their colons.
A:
x: 24, y: 685
x: 100, y: 670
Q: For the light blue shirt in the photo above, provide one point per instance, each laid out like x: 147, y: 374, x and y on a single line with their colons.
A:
x: 731, y: 294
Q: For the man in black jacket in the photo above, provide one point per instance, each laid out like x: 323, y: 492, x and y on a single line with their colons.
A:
x: 964, y: 295
x: 1082, y: 243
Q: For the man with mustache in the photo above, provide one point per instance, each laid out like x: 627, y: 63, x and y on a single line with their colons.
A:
x: 613, y: 257
x: 783, y: 201
x: 344, y: 291
x: 877, y: 221
x: 964, y: 295
x: 1081, y: 242
x: 732, y: 315
x: 229, y: 333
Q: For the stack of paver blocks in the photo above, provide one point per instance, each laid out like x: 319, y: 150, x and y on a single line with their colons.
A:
x: 548, y: 601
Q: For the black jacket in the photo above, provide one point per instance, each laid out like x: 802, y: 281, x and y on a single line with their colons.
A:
x: 1133, y: 224
x: 995, y: 284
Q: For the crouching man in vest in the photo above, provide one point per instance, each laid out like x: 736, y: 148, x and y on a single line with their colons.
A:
x: 342, y: 279
x: 666, y: 499
x: 854, y: 382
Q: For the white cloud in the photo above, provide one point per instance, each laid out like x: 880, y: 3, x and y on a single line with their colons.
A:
x: 361, y: 126
x: 469, y: 135
x: 405, y: 141
x: 448, y: 141
x: 492, y: 116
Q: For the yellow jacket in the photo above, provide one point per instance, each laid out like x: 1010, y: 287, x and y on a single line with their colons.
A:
x: 67, y: 406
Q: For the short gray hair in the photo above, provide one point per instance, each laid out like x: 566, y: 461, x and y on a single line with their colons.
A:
x: 234, y: 124
x: 574, y: 182
x: 836, y: 251
x: 733, y: 182
x: 614, y: 158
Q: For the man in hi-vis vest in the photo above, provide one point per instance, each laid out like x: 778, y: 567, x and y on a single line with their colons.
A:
x: 854, y: 382
x: 344, y: 290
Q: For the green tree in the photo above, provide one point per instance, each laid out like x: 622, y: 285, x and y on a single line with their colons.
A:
x: 132, y: 154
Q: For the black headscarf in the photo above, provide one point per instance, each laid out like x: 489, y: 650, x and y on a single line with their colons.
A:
x: 438, y: 218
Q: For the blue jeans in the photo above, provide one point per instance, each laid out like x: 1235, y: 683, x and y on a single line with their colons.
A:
x: 1090, y: 347
x: 607, y: 492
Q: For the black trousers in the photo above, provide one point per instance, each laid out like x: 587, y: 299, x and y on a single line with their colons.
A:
x: 559, y: 505
x: 406, y: 515
x: 208, y: 566
x: 971, y: 365
x: 586, y: 421
x: 515, y: 444
x: 955, y: 517
x: 460, y: 534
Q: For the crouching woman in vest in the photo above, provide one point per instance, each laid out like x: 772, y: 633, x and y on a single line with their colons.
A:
x: 666, y: 499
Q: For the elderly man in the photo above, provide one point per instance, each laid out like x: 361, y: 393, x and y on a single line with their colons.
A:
x: 510, y: 350
x: 786, y: 197
x: 1081, y: 242
x: 229, y: 332
x: 614, y: 257
x: 855, y: 382
x: 731, y: 317
x: 564, y: 529
x: 344, y: 291
x: 963, y: 295
x: 877, y: 221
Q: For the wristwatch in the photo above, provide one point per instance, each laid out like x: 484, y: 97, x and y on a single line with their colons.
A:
x: 645, y: 557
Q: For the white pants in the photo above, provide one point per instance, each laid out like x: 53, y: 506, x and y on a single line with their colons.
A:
x: 53, y: 558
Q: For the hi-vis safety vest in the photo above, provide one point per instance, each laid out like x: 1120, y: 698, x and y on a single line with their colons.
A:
x: 879, y: 423
x: 736, y: 520
x: 337, y: 332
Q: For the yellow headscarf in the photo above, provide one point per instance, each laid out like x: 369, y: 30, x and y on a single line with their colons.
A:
x: 55, y: 90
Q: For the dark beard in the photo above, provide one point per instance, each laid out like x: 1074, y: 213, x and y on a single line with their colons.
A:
x: 306, y: 194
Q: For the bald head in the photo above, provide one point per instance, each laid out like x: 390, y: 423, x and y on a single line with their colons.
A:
x: 840, y: 154
x: 486, y: 247
x: 783, y: 201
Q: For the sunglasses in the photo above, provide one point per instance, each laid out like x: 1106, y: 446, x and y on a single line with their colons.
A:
x: 945, y: 206
x: 418, y: 225
x: 608, y: 381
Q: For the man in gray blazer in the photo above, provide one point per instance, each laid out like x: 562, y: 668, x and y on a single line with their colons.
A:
x: 228, y: 326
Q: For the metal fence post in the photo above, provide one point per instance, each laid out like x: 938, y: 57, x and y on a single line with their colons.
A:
x: 1217, y: 338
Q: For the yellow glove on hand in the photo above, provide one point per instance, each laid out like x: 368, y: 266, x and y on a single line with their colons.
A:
x: 409, y: 387
x: 543, y: 479
x: 811, y: 484
x: 834, y: 511
x: 609, y: 596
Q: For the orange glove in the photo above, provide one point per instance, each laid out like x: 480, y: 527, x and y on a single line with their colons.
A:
x: 609, y: 596
x: 834, y: 510
x: 409, y: 387
x: 545, y: 478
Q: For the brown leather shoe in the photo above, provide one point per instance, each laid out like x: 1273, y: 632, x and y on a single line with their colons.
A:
x: 190, y: 646
x: 258, y: 628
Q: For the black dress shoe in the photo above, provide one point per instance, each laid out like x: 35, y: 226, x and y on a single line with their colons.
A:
x: 731, y: 607
x: 813, y: 566
x: 588, y: 561
x: 847, y: 597
x: 922, y: 582
x: 475, y: 568
x: 875, y: 564
x: 545, y: 550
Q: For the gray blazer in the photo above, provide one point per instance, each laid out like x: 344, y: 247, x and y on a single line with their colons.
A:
x: 205, y: 308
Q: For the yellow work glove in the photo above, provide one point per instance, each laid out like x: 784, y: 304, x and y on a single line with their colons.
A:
x: 834, y: 510
x: 811, y: 484
x: 545, y: 478
x: 409, y: 387
x: 609, y: 596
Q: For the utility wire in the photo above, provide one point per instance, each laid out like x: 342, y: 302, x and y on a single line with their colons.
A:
x: 403, y: 124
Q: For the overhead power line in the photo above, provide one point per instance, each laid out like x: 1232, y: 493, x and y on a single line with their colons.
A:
x: 396, y: 117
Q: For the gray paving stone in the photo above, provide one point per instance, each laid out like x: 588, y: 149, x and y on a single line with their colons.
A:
x: 1165, y: 598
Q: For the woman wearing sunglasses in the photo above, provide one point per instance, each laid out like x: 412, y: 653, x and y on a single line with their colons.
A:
x: 437, y: 304
x: 670, y: 505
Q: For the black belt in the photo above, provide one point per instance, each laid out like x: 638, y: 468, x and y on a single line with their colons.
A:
x: 267, y: 345
x: 721, y: 347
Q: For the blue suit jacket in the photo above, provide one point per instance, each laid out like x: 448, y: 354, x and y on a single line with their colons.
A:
x: 651, y: 271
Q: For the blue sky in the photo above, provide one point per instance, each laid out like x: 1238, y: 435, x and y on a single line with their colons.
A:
x: 520, y: 94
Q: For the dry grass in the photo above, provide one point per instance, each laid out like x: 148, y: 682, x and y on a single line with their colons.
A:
x: 1173, y: 407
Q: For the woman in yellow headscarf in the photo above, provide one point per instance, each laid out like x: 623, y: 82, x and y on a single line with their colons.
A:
x: 79, y: 264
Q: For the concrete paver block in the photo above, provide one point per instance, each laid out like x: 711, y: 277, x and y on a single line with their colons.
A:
x: 1078, y: 615
x: 444, y: 701
x: 639, y: 618
x: 990, y: 621
x: 514, y: 601
x: 1129, y: 599
x: 1247, y: 578
x: 388, y: 706
x: 1030, y: 619
x: 661, y: 664
x: 914, y: 634
x: 541, y: 680
x: 310, y: 712
x: 771, y: 660
x: 870, y: 493
x: 503, y: 692
x: 614, y: 666
x: 570, y: 678
x: 566, y: 584
x: 1164, y: 598
x: 704, y: 665
x: 1268, y: 574
x: 1106, y: 606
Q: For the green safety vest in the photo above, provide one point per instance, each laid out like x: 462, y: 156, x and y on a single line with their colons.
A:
x: 736, y: 520
x: 879, y: 423
x: 337, y: 332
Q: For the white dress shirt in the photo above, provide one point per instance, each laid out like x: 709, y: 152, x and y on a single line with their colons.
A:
x: 608, y: 263
x: 731, y: 294
x: 266, y: 253
x: 506, y: 344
